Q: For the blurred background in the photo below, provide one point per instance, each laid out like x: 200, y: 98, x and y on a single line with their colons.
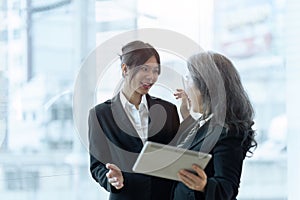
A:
x: 43, y: 44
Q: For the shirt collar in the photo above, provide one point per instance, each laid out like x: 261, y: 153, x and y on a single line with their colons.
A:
x: 203, y: 121
x: 124, y: 101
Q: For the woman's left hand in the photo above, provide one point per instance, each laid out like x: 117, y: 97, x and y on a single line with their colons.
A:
x: 115, y: 176
x: 185, y: 102
x: 193, y: 181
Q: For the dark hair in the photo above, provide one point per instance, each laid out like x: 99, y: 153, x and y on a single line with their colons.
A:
x: 136, y: 53
x: 223, y: 94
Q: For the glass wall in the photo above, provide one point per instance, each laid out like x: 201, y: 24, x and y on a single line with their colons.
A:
x: 44, y: 43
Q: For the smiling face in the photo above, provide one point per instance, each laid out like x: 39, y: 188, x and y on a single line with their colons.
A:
x: 139, y: 79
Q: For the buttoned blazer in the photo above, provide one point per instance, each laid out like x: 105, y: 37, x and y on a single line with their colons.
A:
x: 113, y: 139
x: 224, y: 169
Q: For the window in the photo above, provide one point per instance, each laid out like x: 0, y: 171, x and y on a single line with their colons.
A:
x: 3, y: 35
x: 16, y: 34
x: 37, y: 114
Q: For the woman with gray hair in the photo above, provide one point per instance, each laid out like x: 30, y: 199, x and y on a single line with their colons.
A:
x: 224, y: 129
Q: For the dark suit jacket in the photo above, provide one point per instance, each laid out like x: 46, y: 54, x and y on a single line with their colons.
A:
x: 113, y: 139
x: 224, y: 169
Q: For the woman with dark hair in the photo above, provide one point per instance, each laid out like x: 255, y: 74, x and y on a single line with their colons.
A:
x: 119, y: 127
x: 224, y: 129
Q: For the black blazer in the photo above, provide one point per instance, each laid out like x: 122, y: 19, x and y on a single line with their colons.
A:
x: 113, y: 139
x: 224, y: 169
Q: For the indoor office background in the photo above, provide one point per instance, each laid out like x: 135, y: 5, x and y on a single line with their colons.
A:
x: 42, y: 47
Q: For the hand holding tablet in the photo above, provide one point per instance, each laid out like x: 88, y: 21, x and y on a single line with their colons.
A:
x: 165, y: 161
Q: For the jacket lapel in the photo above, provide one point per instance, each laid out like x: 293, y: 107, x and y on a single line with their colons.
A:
x: 205, y: 136
x: 121, y: 118
x: 157, y: 118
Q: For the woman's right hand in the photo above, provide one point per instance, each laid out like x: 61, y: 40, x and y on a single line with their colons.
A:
x: 195, y: 182
x: 115, y: 176
x: 185, y: 102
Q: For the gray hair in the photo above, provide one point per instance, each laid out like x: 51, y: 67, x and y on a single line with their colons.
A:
x: 223, y: 94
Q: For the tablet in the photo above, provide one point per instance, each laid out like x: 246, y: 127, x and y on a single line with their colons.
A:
x: 165, y: 161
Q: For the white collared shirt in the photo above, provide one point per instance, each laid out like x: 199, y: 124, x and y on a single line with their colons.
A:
x: 138, y: 117
x: 203, y: 121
